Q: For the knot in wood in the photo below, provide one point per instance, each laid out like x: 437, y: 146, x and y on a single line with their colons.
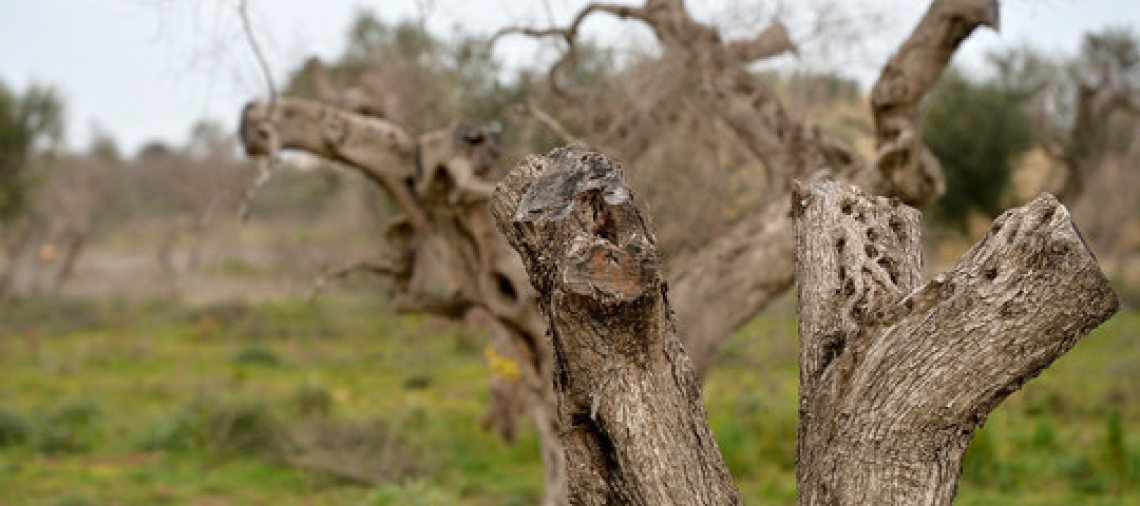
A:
x: 617, y: 273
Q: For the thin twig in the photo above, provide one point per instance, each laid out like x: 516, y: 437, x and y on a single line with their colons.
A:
x: 268, y: 162
x: 550, y: 122
x: 341, y: 273
x: 247, y: 26
x: 570, y: 34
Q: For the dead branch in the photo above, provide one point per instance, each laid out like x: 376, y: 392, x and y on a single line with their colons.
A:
x: 268, y: 161
x: 339, y: 274
x: 549, y: 122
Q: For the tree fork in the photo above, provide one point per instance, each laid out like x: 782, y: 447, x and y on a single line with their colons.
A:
x: 895, y: 379
x: 631, y: 419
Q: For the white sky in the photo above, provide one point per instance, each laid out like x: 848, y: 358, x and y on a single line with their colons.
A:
x: 149, y: 69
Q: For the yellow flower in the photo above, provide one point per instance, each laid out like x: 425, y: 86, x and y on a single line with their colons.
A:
x: 501, y: 367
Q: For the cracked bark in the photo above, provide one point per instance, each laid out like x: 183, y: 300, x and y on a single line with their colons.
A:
x: 633, y: 425
x: 896, y: 378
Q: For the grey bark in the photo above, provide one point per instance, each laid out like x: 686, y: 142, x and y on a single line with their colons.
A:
x: 631, y: 419
x: 896, y: 378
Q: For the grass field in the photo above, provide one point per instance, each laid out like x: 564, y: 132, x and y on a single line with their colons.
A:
x: 342, y: 402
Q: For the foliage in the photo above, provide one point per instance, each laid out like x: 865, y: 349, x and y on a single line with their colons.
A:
x: 28, y: 121
x: 1116, y: 46
x: 13, y: 428
x: 424, y: 80
x: 257, y: 354
x: 976, y: 129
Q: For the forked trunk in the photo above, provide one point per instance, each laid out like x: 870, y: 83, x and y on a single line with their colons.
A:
x: 896, y: 378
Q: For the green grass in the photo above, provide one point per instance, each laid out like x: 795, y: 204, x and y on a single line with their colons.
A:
x: 153, y: 404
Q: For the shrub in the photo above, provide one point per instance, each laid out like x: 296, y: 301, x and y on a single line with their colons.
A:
x: 976, y: 130
x: 226, y: 428
x: 13, y: 428
x: 257, y: 354
x: 312, y: 400
x: 69, y: 427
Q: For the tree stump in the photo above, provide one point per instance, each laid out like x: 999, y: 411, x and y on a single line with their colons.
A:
x: 630, y: 413
x: 896, y: 378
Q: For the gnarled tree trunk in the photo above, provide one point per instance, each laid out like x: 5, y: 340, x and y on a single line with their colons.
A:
x: 896, y: 378
x: 445, y: 256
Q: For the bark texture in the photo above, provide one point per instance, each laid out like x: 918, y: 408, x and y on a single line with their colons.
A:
x: 896, y: 378
x: 632, y: 421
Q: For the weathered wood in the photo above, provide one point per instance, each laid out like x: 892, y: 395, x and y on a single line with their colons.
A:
x: 895, y: 379
x: 632, y: 421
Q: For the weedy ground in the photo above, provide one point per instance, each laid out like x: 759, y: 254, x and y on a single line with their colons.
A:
x: 341, y: 402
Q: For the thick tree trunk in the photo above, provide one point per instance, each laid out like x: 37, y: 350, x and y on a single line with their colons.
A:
x: 895, y: 379
x: 632, y: 421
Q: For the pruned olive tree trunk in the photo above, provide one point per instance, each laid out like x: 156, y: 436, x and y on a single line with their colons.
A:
x: 896, y: 376
x: 631, y: 419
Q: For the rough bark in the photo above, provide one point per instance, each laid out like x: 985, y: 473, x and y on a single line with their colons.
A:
x: 895, y: 379
x: 445, y: 256
x: 633, y: 425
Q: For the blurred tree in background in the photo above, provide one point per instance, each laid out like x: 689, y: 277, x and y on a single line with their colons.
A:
x: 29, y: 122
x: 404, y: 73
x: 977, y: 128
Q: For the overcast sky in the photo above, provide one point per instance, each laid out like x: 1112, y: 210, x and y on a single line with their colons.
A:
x: 145, y: 70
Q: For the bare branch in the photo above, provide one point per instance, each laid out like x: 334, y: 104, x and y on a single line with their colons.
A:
x: 267, y: 162
x: 342, y: 273
x: 771, y: 42
x: 549, y: 122
x: 904, y: 163
x: 265, y: 165
x: 570, y: 34
x: 369, y: 144
x: 247, y: 27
